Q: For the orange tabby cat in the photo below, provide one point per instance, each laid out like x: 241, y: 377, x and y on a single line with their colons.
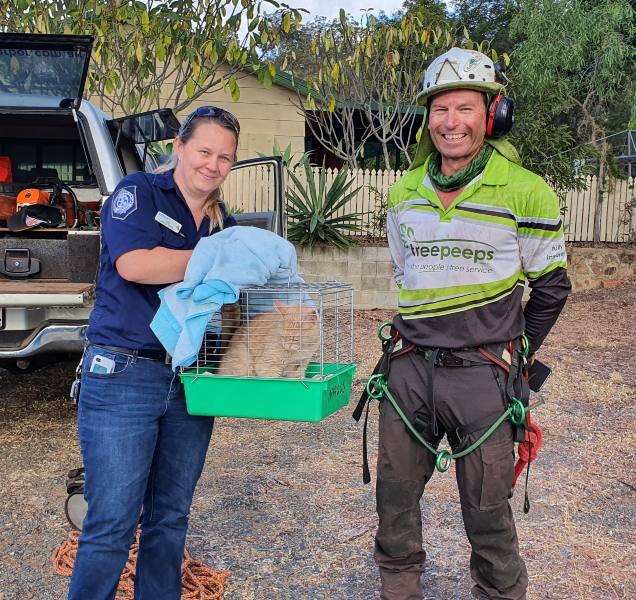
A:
x: 278, y: 343
x: 230, y: 321
x: 216, y: 341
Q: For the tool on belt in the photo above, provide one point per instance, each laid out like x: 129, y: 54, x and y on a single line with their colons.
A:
x: 510, y: 356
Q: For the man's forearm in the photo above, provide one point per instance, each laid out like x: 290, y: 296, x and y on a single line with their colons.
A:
x: 547, y: 299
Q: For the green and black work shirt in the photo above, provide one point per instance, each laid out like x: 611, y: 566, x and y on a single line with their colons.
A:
x: 462, y: 270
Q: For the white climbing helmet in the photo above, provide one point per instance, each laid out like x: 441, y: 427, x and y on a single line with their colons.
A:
x: 460, y: 69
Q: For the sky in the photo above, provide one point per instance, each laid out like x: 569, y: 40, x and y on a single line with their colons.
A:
x: 331, y: 8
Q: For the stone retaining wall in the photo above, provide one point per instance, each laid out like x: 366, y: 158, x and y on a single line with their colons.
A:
x: 368, y: 268
x: 592, y: 268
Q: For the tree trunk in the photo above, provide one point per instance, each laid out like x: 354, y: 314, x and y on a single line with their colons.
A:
x: 599, y: 204
x: 387, y: 158
x: 601, y: 190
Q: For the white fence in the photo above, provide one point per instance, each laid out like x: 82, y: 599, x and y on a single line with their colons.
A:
x: 618, y: 213
x: 252, y: 190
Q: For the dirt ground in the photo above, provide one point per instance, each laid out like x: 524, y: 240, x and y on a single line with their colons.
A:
x: 282, y: 505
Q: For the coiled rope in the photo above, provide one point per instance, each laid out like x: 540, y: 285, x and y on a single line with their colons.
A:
x: 199, y: 582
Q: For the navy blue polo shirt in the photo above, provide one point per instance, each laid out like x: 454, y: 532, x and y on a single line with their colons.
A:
x: 123, y: 310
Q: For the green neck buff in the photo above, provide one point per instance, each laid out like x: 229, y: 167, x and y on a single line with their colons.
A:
x: 457, y: 180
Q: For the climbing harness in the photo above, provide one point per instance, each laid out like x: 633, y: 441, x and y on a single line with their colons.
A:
x: 392, y: 347
x: 377, y: 389
x: 511, y: 357
x: 528, y: 450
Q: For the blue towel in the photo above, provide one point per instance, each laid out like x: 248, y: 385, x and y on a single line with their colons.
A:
x: 220, y: 266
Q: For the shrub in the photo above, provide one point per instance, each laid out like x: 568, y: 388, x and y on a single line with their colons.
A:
x: 312, y: 208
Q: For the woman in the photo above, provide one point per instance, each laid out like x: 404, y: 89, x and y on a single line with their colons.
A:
x: 139, y: 445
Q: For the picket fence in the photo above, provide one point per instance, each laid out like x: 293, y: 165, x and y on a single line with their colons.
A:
x: 252, y: 190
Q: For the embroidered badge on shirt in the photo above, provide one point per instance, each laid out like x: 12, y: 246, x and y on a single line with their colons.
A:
x: 124, y: 202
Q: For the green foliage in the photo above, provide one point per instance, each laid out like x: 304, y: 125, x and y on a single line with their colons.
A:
x: 378, y: 218
x: 573, y: 72
x: 547, y: 148
x: 157, y: 154
x: 487, y: 20
x: 587, y: 66
x: 312, y: 208
x: 429, y: 12
x: 159, y: 149
x: 160, y: 53
x: 287, y: 156
x: 293, y: 51
x: 576, y: 89
x: 363, y: 81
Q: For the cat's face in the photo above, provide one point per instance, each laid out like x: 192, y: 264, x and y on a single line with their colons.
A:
x: 299, y: 325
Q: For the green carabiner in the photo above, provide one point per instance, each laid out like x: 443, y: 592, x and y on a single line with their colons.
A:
x: 375, y: 386
x: 443, y: 461
x: 382, y: 328
x: 517, y: 412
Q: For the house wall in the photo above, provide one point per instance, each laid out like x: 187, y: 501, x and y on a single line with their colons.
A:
x: 266, y: 116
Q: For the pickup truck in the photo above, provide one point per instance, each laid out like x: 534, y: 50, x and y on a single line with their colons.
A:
x: 53, y: 139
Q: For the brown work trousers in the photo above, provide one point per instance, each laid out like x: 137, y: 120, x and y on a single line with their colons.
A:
x: 462, y: 395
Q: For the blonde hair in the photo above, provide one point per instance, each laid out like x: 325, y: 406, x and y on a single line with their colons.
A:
x: 212, y: 206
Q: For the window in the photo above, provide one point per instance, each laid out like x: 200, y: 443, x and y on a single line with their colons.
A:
x: 44, y: 159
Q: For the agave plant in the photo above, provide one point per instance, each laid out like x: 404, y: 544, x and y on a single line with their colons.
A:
x: 312, y: 208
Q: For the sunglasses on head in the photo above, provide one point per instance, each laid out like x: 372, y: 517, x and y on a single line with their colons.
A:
x: 222, y: 115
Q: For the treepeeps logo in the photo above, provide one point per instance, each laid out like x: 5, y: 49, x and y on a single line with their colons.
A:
x: 472, y: 63
x: 471, y: 250
x: 406, y: 234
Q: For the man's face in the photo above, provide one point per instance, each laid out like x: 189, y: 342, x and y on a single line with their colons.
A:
x: 457, y: 124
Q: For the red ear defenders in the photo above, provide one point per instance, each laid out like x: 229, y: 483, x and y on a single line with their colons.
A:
x: 500, y: 116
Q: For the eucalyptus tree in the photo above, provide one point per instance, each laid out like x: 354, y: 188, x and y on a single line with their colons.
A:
x: 430, y: 12
x: 486, y: 20
x: 573, y: 71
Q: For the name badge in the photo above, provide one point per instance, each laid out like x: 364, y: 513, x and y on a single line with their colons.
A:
x: 168, y: 222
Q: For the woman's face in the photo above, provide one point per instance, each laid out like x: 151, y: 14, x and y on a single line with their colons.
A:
x: 206, y: 159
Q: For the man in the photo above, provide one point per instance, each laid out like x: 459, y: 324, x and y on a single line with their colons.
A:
x: 467, y: 226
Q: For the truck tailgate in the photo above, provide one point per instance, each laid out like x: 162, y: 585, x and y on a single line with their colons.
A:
x: 45, y: 293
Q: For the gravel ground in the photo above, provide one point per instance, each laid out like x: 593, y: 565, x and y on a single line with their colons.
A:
x: 282, y: 505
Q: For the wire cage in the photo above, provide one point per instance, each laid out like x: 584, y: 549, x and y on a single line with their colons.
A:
x: 282, y: 352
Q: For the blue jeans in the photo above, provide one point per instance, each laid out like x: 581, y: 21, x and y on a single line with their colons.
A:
x: 140, y: 448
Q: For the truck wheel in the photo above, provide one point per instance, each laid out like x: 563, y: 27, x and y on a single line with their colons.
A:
x: 22, y: 366
x: 17, y: 366
x: 75, y: 509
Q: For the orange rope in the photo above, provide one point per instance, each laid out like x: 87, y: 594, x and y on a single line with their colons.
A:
x: 199, y: 582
